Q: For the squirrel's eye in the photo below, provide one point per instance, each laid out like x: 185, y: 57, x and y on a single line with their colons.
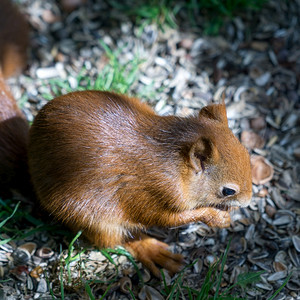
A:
x: 228, y: 191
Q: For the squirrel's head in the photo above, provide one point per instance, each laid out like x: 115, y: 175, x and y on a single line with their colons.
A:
x: 217, y: 170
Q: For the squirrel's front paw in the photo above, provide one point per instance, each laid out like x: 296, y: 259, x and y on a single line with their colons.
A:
x: 216, y: 218
x: 153, y: 253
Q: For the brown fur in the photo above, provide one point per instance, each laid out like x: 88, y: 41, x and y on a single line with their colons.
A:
x: 70, y: 5
x: 13, y: 145
x: 108, y: 164
x: 13, y: 125
x: 13, y: 39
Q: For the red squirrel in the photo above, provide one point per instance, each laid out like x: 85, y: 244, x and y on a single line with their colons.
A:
x: 13, y: 125
x: 109, y: 165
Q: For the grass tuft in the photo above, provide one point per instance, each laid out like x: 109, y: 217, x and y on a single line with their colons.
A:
x: 2, y: 223
x: 145, y: 12
x: 217, y: 11
x: 211, y: 287
x: 117, y: 76
x: 165, y: 13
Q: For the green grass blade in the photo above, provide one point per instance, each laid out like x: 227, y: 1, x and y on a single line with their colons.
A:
x: 106, y: 291
x: 49, y: 288
x: 208, y: 282
x: 166, y: 288
x: 111, y: 260
x: 2, y: 242
x: 222, y: 270
x: 9, y: 217
x: 282, y: 286
x: 71, y: 247
x: 109, y: 81
x: 121, y: 251
x: 33, y: 220
x: 71, y: 258
x: 89, y: 291
x: 107, y: 50
x: 62, y: 293
x: 131, y: 294
x: 6, y: 280
x: 172, y: 291
x: 108, y: 256
x: 245, y: 279
x: 177, y: 286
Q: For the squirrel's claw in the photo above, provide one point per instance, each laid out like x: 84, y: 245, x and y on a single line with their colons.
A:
x: 153, y: 253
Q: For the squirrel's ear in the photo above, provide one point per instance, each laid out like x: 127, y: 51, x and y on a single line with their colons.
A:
x: 215, y: 112
x: 203, y: 152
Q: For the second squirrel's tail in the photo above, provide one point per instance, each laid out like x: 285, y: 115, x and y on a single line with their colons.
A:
x: 13, y: 124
